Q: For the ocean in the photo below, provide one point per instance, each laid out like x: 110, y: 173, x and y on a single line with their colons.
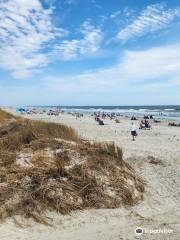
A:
x: 171, y: 112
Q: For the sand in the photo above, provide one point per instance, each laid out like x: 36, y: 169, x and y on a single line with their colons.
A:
x: 156, y: 157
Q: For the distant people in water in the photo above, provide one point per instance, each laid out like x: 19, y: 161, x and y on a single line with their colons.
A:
x: 133, y: 131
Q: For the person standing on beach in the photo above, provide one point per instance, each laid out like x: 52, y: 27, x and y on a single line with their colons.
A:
x: 133, y: 131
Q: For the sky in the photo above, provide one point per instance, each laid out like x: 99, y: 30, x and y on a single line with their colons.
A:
x: 89, y: 52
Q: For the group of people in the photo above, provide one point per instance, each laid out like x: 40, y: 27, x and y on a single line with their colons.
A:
x: 99, y: 118
x: 30, y: 111
x: 144, y: 124
x: 105, y: 115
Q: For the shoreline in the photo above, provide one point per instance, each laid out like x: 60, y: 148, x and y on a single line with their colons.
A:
x: 158, y: 142
x: 163, y: 113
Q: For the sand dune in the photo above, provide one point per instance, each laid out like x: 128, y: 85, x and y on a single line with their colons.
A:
x: 156, y: 157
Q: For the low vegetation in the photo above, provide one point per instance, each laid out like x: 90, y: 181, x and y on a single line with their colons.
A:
x: 5, y: 116
x: 47, y: 167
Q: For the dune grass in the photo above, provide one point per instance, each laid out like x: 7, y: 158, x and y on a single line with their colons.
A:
x: 77, y: 175
x: 19, y: 133
x: 4, y: 116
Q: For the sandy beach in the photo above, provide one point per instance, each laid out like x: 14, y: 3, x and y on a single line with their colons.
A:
x: 155, y: 155
x: 89, y: 120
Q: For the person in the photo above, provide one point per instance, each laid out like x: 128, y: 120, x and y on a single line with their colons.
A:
x: 117, y: 120
x: 100, y: 122
x: 133, y: 131
x: 133, y: 118
x: 97, y: 119
x: 147, y: 125
x: 146, y: 117
x: 142, y: 124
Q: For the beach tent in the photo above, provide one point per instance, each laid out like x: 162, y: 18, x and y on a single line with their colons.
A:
x: 20, y: 110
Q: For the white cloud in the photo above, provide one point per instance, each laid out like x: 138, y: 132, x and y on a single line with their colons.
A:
x: 115, y: 14
x: 156, y: 68
x: 88, y: 44
x: 153, y: 18
x: 25, y: 30
x: 150, y: 64
x: 126, y: 12
x: 70, y: 2
x: 29, y: 39
x: 142, y: 77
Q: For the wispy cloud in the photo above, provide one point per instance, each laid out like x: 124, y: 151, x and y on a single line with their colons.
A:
x: 115, y: 14
x: 71, y: 2
x: 96, y: 4
x: 126, y: 12
x: 158, y: 67
x: 29, y: 40
x: 151, y: 19
x: 139, y: 76
x: 25, y: 31
x: 88, y: 44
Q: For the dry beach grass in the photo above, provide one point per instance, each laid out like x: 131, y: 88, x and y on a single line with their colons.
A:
x: 48, y: 167
x: 5, y: 116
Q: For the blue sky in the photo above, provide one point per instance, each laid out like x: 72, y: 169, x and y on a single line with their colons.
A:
x: 89, y: 52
